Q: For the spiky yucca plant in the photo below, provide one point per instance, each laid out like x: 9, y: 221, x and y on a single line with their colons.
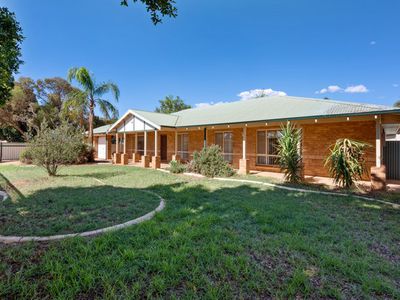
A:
x: 346, y: 161
x: 290, y: 159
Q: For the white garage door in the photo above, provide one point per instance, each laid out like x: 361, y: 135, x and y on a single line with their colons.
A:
x: 102, y: 148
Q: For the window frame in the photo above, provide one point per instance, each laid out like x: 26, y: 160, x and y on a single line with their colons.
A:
x: 183, y: 154
x: 266, y: 155
x: 224, y: 154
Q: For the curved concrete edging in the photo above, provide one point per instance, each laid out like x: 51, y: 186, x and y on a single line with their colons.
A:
x: 148, y: 216
x: 4, y: 195
x: 394, y: 205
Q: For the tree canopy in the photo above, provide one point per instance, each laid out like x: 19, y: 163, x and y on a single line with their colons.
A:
x: 50, y: 100
x: 10, y: 52
x: 397, y: 103
x: 170, y: 105
x: 157, y: 8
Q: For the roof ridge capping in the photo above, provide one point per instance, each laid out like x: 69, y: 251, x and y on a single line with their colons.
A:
x: 371, y: 105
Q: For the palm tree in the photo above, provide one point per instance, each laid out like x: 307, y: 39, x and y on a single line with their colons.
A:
x: 93, y: 94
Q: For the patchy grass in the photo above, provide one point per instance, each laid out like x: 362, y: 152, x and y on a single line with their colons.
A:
x: 218, y: 240
x: 389, y: 196
x: 75, y: 201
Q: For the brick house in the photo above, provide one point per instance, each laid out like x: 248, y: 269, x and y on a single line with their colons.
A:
x: 247, y: 132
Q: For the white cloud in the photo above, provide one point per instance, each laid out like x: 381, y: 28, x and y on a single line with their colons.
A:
x: 395, y: 85
x: 330, y: 89
x: 372, y: 43
x: 350, y: 89
x: 356, y: 89
x: 257, y: 93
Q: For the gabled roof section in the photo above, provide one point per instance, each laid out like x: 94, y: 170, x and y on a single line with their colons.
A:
x: 156, y: 120
x: 160, y: 119
x: 273, y: 108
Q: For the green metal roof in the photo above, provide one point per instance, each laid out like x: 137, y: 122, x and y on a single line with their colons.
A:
x: 273, y: 108
x: 158, y: 118
x: 259, y: 110
x: 101, y: 129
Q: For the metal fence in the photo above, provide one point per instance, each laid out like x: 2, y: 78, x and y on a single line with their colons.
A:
x: 11, y: 151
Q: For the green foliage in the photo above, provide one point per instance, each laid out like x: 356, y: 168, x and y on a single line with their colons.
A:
x: 92, y: 95
x: 176, y: 167
x: 290, y: 159
x: 34, y: 102
x: 157, y: 8
x: 210, y: 162
x: 86, y: 154
x: 10, y: 134
x: 10, y: 52
x: 170, y: 105
x: 346, y: 161
x: 26, y: 156
x: 52, y: 148
x: 397, y: 103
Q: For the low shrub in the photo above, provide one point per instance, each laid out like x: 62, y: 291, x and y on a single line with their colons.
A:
x: 176, y: 167
x: 346, y: 161
x: 86, y: 154
x: 210, y: 162
x: 290, y: 160
x: 25, y: 156
x: 52, y: 148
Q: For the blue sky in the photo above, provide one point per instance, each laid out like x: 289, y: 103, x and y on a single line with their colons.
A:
x: 216, y: 49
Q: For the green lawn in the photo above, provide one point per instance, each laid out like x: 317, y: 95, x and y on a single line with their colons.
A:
x: 213, y: 240
x: 75, y: 201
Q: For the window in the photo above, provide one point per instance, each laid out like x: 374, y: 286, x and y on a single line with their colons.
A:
x: 140, y: 144
x: 183, y: 146
x: 225, y: 141
x: 267, y: 144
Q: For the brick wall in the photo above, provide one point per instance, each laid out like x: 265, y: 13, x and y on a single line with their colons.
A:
x: 317, y: 139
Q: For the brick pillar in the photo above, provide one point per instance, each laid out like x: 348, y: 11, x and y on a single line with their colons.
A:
x: 124, y: 158
x: 378, y: 178
x: 145, y: 162
x: 244, y: 163
x: 117, y: 158
x: 244, y: 166
x: 155, y: 162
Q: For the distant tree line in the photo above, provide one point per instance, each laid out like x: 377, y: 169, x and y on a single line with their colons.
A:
x: 50, y: 100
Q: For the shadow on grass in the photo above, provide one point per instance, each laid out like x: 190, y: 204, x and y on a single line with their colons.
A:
x: 97, y: 175
x: 213, y: 236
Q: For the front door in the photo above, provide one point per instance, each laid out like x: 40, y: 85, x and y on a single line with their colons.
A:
x: 101, y: 147
x: 163, y: 147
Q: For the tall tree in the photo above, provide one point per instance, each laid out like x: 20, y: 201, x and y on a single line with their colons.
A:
x: 170, y: 105
x: 157, y: 8
x: 397, y: 103
x: 52, y: 94
x: 93, y: 94
x: 19, y: 112
x: 10, y: 52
